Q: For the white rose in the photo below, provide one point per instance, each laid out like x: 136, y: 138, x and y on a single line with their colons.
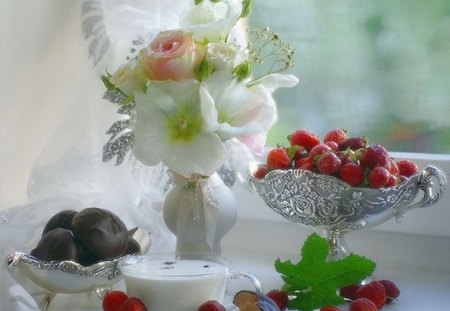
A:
x: 225, y: 56
x: 129, y: 78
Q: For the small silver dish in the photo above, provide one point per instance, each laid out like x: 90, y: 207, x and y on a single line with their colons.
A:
x: 69, y: 277
x: 328, y: 203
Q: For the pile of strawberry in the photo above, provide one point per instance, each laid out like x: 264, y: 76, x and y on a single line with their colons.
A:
x: 349, y: 158
x: 369, y: 297
x: 119, y: 301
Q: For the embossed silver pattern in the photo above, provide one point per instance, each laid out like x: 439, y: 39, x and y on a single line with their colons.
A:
x: 65, y: 276
x: 326, y: 202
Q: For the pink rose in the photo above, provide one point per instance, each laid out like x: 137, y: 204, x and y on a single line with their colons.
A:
x: 172, y: 55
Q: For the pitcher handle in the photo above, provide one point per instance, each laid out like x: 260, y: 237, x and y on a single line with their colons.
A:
x: 243, y: 275
x: 431, y: 195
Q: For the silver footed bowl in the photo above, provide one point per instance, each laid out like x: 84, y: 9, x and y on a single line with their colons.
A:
x: 69, y: 277
x: 327, y: 202
x: 65, y: 276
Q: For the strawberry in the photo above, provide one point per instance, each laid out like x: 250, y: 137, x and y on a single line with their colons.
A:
x: 304, y: 138
x: 260, y: 172
x: 328, y: 163
x: 133, y: 304
x: 279, y: 297
x: 330, y: 308
x: 278, y: 158
x: 318, y: 150
x: 394, y: 167
x: 346, y: 157
x: 362, y: 304
x: 392, y: 182
x: 336, y: 135
x: 306, y: 164
x: 296, y: 152
x: 349, y: 291
x: 392, y: 291
x: 373, y: 291
x: 407, y: 168
x: 333, y: 145
x: 352, y: 173
x: 378, y: 177
x: 375, y: 155
x: 211, y: 305
x: 353, y: 143
x: 113, y: 300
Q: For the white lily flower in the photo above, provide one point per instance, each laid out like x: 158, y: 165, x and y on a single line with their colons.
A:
x: 169, y: 127
x: 276, y: 80
x: 233, y: 110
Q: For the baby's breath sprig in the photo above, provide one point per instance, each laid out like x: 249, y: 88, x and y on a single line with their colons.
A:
x: 266, y: 47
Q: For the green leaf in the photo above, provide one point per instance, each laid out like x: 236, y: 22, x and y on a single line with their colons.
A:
x: 114, y: 94
x: 314, y: 281
x: 243, y: 70
x: 247, y: 8
x: 204, y: 70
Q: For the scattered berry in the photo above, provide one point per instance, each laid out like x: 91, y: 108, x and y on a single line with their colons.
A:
x: 133, y: 304
x: 362, y: 304
x: 328, y: 163
x: 352, y: 173
x: 113, y: 300
x: 378, y: 177
x: 279, y: 297
x: 349, y: 291
x: 353, y: 143
x: 211, y: 305
x: 304, y: 138
x: 278, y: 159
x: 392, y: 291
x: 407, y: 168
x: 330, y: 308
x: 336, y: 135
x: 373, y: 291
x: 375, y: 155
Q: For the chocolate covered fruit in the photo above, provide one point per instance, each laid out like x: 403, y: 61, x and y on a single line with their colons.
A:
x: 62, y: 220
x: 100, y: 233
x: 57, y: 245
x: 87, y: 237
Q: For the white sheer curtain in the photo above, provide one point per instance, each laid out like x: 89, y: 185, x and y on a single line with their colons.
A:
x: 53, y: 120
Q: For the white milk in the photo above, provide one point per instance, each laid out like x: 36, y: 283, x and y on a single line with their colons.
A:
x: 176, y: 285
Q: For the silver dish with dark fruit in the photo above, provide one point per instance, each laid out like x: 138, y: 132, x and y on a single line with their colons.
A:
x: 70, y: 277
x: 78, y: 252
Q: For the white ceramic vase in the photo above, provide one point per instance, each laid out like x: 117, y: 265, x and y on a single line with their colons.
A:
x: 199, y: 211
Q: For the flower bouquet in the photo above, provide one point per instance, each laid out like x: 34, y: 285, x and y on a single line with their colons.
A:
x: 192, y: 100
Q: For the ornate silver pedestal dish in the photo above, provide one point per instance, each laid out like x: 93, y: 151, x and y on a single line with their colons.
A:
x: 69, y: 277
x: 327, y: 203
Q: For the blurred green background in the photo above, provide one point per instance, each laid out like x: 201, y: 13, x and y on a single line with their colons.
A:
x: 376, y: 68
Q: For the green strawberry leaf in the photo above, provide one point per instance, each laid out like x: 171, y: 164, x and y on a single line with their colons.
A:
x: 314, y: 282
